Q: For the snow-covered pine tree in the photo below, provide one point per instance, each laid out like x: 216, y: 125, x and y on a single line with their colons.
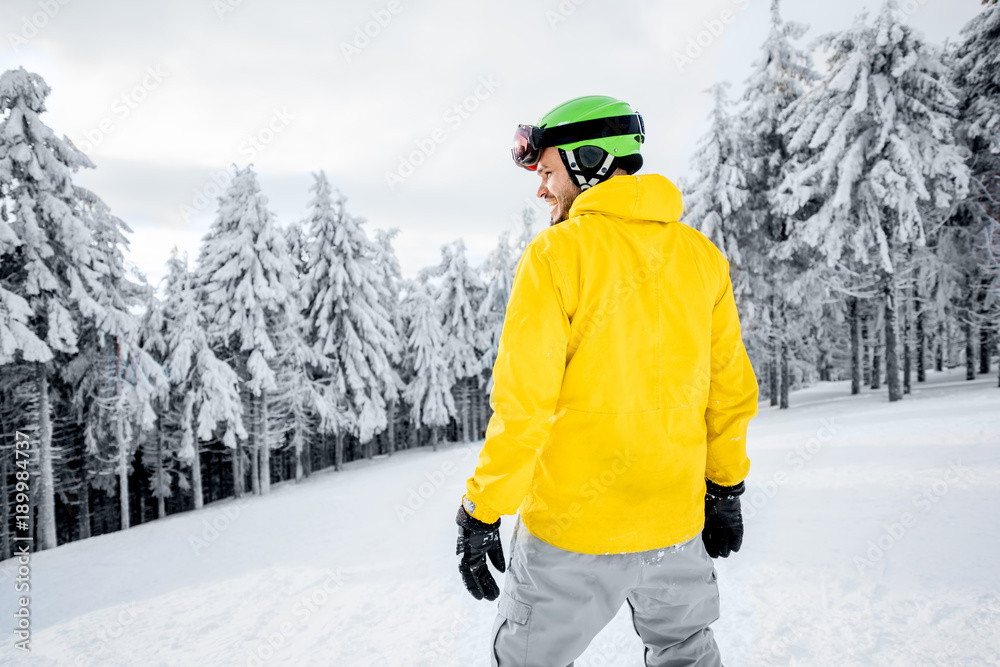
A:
x: 527, y: 230
x: 459, y: 293
x: 349, y: 329
x: 780, y: 75
x: 873, y: 155
x: 297, y: 405
x: 499, y: 270
x: 429, y: 391
x: 136, y: 381
x: 298, y: 247
x: 385, y: 258
x: 62, y: 278
x: 205, y: 390
x: 246, y: 281
x: 159, y: 451
x: 302, y: 403
x: 977, y: 76
x: 42, y: 240
x: 717, y: 195
x: 719, y: 190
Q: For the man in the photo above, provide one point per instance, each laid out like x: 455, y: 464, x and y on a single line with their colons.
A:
x: 622, y: 393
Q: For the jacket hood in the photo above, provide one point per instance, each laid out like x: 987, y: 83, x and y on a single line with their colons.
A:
x: 645, y: 197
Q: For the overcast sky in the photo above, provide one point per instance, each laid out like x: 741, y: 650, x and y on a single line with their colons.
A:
x: 163, y: 96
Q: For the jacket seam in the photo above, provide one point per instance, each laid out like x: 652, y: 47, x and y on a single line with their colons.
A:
x: 659, y: 340
x: 563, y: 279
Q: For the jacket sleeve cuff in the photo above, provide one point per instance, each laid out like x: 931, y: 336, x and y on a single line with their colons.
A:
x: 720, y: 491
x: 479, y: 511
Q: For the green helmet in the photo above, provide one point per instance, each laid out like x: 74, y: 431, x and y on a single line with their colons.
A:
x: 594, y: 134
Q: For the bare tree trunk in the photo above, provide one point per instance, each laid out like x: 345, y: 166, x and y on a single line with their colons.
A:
x: 324, y: 451
x: 434, y: 438
x: 970, y: 352
x: 907, y: 329
x: 239, y: 486
x: 852, y: 319
x: 891, y: 340
x: 196, y: 486
x: 939, y: 357
x: 772, y: 366
x: 464, y: 408
x: 949, y: 356
x: 199, y: 494
x: 122, y: 468
x: 83, y: 504
x: 921, y: 336
x: 254, y: 446
x: 338, y: 451
x: 473, y: 408
x: 308, y: 448
x: 300, y: 472
x: 984, y: 348
x: 876, y: 356
x: 161, y: 500
x: 391, y: 446
x: 866, y: 356
x: 784, y: 375
x: 46, y: 482
x: 265, y: 447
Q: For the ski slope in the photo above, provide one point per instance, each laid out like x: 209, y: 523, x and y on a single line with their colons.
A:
x: 872, y: 538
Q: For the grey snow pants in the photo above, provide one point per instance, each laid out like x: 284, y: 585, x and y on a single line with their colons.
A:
x: 554, y: 602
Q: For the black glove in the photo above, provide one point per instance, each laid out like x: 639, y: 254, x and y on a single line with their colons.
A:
x: 723, y: 531
x: 476, y: 540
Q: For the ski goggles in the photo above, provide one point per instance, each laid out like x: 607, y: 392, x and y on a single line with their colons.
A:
x: 529, y: 141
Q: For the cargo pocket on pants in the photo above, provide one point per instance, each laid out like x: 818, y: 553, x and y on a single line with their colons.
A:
x: 510, y: 632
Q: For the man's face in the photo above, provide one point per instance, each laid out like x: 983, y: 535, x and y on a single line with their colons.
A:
x: 557, y: 188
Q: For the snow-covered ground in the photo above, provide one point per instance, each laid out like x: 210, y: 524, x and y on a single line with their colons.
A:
x: 873, y: 538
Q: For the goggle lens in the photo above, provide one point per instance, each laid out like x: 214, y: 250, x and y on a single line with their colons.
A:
x: 524, y: 152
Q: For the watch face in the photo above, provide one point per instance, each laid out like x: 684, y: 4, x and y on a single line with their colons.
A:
x: 470, y: 507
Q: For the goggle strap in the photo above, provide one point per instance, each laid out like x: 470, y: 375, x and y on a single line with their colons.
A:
x: 598, y: 128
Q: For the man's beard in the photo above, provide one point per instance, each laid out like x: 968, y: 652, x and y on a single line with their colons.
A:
x: 564, y: 202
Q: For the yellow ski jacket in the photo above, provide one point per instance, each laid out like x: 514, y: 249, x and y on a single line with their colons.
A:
x: 621, y: 380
